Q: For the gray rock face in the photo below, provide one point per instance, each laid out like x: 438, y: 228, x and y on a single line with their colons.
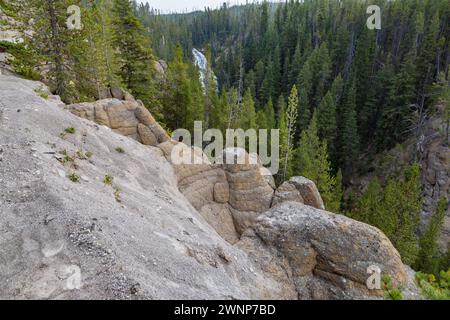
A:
x: 159, y: 231
x: 66, y: 240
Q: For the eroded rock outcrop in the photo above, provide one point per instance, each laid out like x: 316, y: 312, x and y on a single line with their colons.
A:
x: 124, y: 115
x: 237, y: 192
x: 165, y: 238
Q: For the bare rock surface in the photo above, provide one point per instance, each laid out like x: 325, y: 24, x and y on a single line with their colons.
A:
x: 66, y: 240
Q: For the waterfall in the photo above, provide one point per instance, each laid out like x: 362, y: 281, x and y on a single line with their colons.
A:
x: 202, y: 63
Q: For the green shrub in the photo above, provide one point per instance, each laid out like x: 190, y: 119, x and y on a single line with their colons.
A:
x: 8, y: 9
x: 435, y: 288
x: 391, y: 292
x: 25, y: 60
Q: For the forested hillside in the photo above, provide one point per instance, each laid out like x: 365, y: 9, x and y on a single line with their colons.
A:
x: 339, y: 92
x: 355, y: 93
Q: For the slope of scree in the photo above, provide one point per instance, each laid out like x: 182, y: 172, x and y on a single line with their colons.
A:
x: 147, y: 233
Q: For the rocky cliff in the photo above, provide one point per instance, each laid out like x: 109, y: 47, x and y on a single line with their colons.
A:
x: 92, y: 207
x: 432, y: 151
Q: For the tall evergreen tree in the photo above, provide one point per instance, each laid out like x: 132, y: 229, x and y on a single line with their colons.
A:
x: 247, y: 117
x: 348, y: 138
x: 134, y: 54
x: 326, y: 122
x: 428, y: 257
x: 396, y: 115
x: 311, y: 161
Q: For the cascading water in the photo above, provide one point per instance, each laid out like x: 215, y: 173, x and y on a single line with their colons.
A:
x: 202, y: 63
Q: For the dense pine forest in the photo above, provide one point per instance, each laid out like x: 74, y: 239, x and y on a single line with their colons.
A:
x: 339, y: 92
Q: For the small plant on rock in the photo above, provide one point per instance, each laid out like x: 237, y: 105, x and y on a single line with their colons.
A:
x: 74, y: 177
x: 108, y: 180
x: 66, y: 157
x: 117, y: 193
x: 41, y: 92
x: 120, y: 150
x: 70, y: 130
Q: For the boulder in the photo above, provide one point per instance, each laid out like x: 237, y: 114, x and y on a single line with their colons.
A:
x: 143, y: 115
x: 328, y: 254
x: 308, y: 191
x: 267, y: 175
x: 117, y: 93
x: 101, y: 117
x: 119, y: 115
x: 127, y: 96
x: 147, y: 136
x: 287, y: 192
x: 159, y: 132
x: 250, y: 194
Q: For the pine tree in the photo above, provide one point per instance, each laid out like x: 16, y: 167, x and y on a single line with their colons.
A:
x: 266, y: 117
x: 348, y: 131
x: 178, y: 102
x: 396, y: 115
x: 51, y: 42
x: 279, y: 110
x: 442, y: 91
x: 399, y: 215
x: 304, y: 111
x: 134, y: 55
x: 428, y: 260
x: 369, y: 205
x: 322, y: 73
x: 326, y: 122
x: 295, y: 66
x: 407, y: 209
x: 311, y: 161
x: 103, y: 36
x: 246, y: 118
x: 211, y: 98
x: 269, y: 115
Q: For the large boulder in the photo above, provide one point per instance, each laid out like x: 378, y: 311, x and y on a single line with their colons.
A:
x: 250, y: 192
x: 328, y: 255
x: 300, y: 189
x: 287, y: 192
